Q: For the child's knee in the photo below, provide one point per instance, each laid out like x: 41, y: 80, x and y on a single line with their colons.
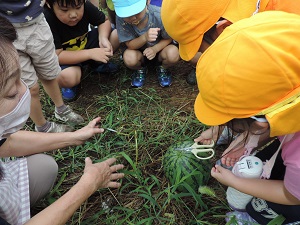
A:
x: 173, y: 54
x: 69, y: 77
x: 132, y: 58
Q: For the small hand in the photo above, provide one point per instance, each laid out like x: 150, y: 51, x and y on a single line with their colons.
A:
x: 105, y: 43
x: 223, y: 175
x: 209, y: 135
x: 152, y: 34
x: 149, y: 53
x: 100, y: 54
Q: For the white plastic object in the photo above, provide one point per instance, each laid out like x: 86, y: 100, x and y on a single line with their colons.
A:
x: 247, y: 167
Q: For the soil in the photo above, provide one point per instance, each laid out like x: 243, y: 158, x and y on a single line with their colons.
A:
x: 179, y: 89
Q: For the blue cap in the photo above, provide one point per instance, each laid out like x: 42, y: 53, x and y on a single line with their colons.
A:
x: 127, y: 8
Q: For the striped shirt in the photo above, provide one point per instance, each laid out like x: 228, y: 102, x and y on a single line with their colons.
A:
x: 14, y: 191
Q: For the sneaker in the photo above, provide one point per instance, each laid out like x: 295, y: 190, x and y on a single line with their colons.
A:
x: 69, y: 116
x: 191, y: 77
x: 107, y: 68
x: 164, y: 76
x: 138, y: 77
x: 57, y: 128
x: 240, y: 218
x: 69, y: 94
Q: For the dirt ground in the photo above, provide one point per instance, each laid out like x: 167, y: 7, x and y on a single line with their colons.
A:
x: 179, y: 89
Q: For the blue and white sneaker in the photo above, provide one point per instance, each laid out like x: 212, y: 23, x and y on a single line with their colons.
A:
x: 164, y: 76
x: 138, y: 77
x: 239, y: 218
x: 69, y: 94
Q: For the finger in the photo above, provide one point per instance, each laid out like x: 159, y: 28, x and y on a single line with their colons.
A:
x: 113, y: 185
x: 115, y: 168
x: 116, y: 176
x: 95, y: 122
x: 219, y: 168
x: 223, y: 161
x: 88, y: 161
x: 110, y: 161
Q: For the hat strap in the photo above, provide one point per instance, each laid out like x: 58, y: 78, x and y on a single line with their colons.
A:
x: 268, y: 165
x: 257, y: 7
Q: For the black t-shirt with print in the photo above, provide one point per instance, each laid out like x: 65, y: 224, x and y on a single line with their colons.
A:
x: 73, y: 37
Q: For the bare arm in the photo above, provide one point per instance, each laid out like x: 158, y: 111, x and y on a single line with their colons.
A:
x: 270, y: 190
x: 24, y: 143
x: 149, y: 36
x: 104, y: 31
x: 98, y: 175
x: 161, y: 45
x: 137, y: 43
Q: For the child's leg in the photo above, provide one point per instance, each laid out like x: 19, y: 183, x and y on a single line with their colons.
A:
x: 114, y: 39
x: 43, y: 63
x: 133, y: 59
x: 169, y: 56
x: 36, y: 113
x: 69, y: 77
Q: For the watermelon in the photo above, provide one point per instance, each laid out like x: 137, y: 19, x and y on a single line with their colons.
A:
x: 180, y: 163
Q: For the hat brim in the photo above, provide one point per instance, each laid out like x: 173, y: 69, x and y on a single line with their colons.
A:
x: 240, y: 9
x: 189, y: 50
x: 207, y: 115
x: 131, y: 10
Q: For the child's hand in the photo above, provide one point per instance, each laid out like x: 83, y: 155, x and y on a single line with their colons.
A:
x: 105, y: 43
x: 234, y: 151
x: 223, y: 175
x: 150, y: 53
x: 209, y: 135
x: 100, y: 54
x: 152, y: 34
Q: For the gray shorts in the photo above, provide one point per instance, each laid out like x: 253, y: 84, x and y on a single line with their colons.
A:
x: 36, y: 49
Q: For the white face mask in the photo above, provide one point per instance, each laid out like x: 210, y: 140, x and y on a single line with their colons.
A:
x: 16, y: 119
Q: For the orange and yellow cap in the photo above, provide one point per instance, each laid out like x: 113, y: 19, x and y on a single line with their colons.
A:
x: 253, y: 68
x: 187, y: 21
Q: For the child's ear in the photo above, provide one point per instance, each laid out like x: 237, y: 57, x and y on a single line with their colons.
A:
x: 221, y: 25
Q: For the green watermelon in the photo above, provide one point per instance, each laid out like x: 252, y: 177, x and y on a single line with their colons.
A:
x: 180, y: 163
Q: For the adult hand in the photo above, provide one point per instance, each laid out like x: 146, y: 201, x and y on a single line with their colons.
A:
x: 88, y: 131
x: 103, y: 174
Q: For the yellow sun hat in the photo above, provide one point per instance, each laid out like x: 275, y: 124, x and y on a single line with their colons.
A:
x: 253, y: 68
x: 187, y: 21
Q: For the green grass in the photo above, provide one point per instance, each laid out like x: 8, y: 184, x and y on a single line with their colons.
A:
x: 147, y: 123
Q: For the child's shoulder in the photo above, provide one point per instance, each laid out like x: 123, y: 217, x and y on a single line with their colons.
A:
x: 154, y: 9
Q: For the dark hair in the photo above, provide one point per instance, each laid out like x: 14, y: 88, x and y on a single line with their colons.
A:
x: 65, y: 3
x: 245, y: 125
